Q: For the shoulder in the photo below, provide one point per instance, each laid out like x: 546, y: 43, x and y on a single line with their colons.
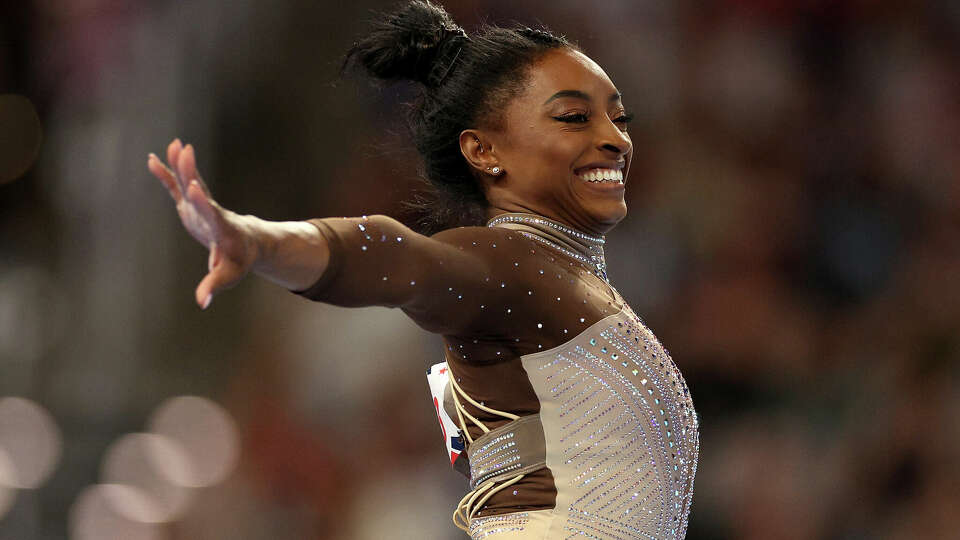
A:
x: 457, y: 234
x: 487, y: 243
x: 474, y: 236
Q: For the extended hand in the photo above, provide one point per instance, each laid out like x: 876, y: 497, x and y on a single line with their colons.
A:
x: 233, y: 249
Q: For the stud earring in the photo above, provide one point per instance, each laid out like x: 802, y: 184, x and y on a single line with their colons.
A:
x: 495, y: 170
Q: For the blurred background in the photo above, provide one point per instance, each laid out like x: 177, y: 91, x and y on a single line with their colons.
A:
x: 793, y: 239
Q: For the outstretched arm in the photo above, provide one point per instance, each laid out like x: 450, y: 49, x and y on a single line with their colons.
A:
x: 291, y: 254
x: 455, y: 281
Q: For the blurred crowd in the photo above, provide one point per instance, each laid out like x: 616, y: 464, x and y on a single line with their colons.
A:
x: 793, y: 239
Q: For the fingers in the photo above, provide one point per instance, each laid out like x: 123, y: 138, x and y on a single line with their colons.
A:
x: 207, y: 286
x: 165, y: 175
x: 204, y: 206
x: 220, y: 277
x: 173, y: 157
x: 173, y: 150
x: 186, y: 165
x: 182, y: 160
x: 204, y: 292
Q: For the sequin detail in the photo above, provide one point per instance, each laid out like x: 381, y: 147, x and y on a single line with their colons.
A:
x: 595, y: 262
x: 504, y: 523
x: 592, y: 246
x: 598, y: 240
x: 622, y: 436
x: 497, y: 456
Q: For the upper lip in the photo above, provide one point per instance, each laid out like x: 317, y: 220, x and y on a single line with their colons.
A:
x: 617, y: 165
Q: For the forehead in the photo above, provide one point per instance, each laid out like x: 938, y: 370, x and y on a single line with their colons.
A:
x: 565, y: 69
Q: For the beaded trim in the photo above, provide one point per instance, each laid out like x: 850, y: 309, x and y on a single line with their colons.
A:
x: 496, y: 457
x: 504, y: 523
x: 598, y: 240
x: 599, y: 265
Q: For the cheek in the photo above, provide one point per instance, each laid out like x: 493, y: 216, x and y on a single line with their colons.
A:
x: 557, y: 153
x: 551, y: 166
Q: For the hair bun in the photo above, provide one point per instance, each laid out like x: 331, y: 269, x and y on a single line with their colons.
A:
x: 410, y: 43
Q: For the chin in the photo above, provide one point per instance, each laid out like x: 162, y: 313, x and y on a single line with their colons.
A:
x: 608, y: 216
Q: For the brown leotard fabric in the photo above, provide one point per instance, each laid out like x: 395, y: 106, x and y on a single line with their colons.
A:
x: 494, y: 293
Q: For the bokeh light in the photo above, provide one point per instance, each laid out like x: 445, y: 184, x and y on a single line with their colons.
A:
x: 205, y: 432
x: 150, y: 464
x: 30, y: 442
x: 95, y: 514
x: 20, y: 135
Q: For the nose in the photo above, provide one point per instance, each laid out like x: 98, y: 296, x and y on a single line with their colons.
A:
x: 614, y: 140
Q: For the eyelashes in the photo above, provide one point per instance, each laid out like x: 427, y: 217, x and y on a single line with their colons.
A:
x: 576, y: 118
x: 582, y: 118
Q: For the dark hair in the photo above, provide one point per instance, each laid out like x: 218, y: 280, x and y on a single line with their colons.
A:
x: 465, y: 82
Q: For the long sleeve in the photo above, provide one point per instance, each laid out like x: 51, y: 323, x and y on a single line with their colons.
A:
x: 454, y: 282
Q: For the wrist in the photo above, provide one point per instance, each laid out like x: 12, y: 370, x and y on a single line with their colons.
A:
x: 256, y: 235
x: 292, y: 254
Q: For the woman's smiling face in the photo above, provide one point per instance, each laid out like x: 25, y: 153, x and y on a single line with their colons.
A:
x: 563, y: 146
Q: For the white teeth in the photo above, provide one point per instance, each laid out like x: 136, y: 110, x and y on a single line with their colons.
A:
x: 603, y: 175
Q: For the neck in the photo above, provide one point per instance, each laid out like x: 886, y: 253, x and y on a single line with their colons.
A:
x: 579, y: 245
x: 552, y: 226
x: 562, y: 218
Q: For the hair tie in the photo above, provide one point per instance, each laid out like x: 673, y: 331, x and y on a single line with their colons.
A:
x: 538, y: 34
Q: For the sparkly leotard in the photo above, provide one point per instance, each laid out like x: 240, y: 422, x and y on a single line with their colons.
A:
x: 601, y: 439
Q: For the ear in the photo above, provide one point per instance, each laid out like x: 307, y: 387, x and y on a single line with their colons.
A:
x: 478, y: 150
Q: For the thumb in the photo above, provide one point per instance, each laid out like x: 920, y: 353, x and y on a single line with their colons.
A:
x: 216, y: 280
x: 204, y: 292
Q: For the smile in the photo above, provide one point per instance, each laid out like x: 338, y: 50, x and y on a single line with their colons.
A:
x: 613, y: 176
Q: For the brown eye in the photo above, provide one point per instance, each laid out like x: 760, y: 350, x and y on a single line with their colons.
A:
x: 624, y: 118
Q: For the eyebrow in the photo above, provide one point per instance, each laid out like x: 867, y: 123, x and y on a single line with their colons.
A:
x: 578, y: 94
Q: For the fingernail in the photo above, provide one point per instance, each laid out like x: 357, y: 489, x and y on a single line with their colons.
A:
x: 206, y: 303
